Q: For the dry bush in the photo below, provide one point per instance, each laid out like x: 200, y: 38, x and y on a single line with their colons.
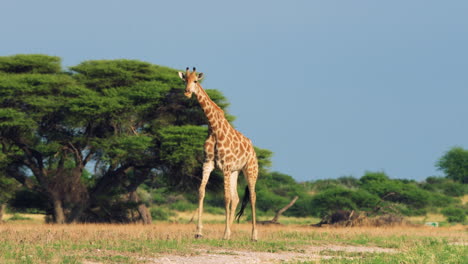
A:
x: 352, y: 218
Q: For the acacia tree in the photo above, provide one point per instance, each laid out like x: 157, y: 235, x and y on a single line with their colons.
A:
x: 454, y: 164
x: 120, y: 117
x: 32, y: 92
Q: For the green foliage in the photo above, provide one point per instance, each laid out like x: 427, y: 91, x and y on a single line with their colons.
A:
x: 445, y: 186
x: 182, y: 144
x: 28, y: 101
x: 131, y: 148
x: 30, y: 64
x: 127, y: 117
x: 183, y: 206
x: 396, y: 191
x: 181, y: 151
x: 340, y: 198
x: 322, y: 185
x: 275, y: 190
x: 376, y: 190
x: 454, y: 215
x: 268, y: 201
x: 454, y: 164
x: 349, y: 181
x: 17, y: 217
x: 374, y: 177
x: 103, y: 74
x: 161, y: 214
x: 264, y: 159
x: 7, y: 187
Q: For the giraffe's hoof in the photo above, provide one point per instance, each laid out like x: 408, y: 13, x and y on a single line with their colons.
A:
x: 197, y: 236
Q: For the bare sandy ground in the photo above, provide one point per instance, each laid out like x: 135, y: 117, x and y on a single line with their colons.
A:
x: 311, y: 253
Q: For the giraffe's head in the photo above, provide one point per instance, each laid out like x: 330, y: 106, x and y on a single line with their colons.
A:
x: 191, y: 79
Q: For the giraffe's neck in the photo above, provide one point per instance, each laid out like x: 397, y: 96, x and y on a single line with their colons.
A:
x: 213, y: 112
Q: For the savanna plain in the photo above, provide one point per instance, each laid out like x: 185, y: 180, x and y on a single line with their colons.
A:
x: 32, y: 241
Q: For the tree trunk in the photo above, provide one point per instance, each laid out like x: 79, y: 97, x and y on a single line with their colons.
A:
x: 59, y: 214
x: 144, y: 214
x: 2, y: 211
x: 142, y: 209
x: 78, y: 195
x: 76, y: 213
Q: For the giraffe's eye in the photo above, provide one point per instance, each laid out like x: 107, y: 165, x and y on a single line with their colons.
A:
x: 195, y: 81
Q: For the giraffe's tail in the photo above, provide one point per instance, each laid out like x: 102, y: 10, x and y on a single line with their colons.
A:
x: 245, y: 201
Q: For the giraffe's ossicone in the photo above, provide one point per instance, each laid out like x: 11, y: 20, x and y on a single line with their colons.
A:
x: 227, y: 149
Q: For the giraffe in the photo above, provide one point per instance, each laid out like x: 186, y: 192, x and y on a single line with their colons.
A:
x: 229, y: 150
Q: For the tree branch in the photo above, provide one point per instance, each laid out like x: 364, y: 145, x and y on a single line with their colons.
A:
x: 279, y: 213
x: 20, y: 177
x: 78, y: 156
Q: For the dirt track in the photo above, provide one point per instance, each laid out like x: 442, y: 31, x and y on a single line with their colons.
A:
x: 310, y: 253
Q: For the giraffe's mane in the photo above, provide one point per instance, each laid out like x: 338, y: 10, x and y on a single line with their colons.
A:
x: 209, y: 98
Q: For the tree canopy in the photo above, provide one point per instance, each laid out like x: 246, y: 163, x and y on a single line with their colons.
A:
x: 455, y: 164
x: 125, y: 120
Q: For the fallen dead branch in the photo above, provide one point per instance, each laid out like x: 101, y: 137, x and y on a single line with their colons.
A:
x: 279, y: 213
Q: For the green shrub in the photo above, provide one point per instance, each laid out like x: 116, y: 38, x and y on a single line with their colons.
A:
x: 161, y: 214
x: 446, y: 186
x: 302, y: 207
x: 183, y: 206
x: 340, y: 198
x: 440, y: 200
x: 348, y: 181
x: 406, y: 210
x: 215, y: 199
x: 397, y: 191
x: 17, y: 217
x: 145, y: 196
x: 158, y: 196
x: 269, y: 201
x: 454, y: 215
x: 322, y: 185
x: 214, y: 210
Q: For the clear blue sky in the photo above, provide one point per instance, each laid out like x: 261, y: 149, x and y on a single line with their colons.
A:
x: 333, y: 88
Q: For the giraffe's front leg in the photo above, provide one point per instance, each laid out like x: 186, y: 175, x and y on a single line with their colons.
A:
x: 208, y: 167
x: 227, y: 201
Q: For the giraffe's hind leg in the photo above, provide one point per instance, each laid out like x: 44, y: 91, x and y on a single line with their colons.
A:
x: 251, y: 173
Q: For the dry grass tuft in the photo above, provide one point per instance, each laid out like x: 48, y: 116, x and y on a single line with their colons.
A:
x: 464, y: 199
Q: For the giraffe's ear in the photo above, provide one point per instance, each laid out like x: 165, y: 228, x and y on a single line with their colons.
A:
x: 182, y: 75
x: 200, y: 76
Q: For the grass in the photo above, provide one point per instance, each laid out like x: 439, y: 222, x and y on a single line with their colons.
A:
x: 18, y: 217
x: 464, y: 199
x: 42, y: 243
x: 185, y: 217
x: 25, y: 218
x: 430, y: 217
